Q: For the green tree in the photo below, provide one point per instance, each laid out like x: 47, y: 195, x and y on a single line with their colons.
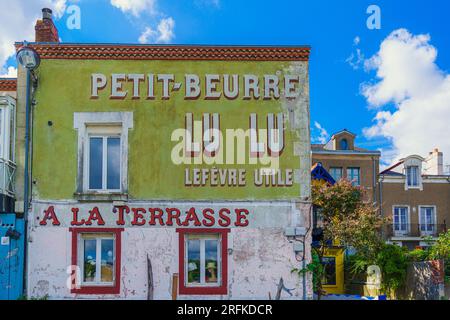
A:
x: 346, y: 220
x: 441, y: 247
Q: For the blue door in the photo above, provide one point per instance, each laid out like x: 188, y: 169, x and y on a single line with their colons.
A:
x: 11, y: 256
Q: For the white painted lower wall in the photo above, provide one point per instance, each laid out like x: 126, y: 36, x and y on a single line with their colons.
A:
x: 257, y: 258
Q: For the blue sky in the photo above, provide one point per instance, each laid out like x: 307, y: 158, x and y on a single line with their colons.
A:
x: 329, y: 27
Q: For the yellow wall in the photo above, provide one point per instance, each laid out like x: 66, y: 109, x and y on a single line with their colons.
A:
x: 64, y: 88
x: 338, y: 254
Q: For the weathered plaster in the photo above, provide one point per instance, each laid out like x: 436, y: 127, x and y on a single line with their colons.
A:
x: 259, y: 255
x: 258, y: 259
x: 151, y: 173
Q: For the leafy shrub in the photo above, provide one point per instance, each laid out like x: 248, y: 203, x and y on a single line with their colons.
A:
x: 393, y: 263
x: 418, y: 255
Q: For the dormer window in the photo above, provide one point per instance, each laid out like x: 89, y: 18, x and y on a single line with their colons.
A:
x: 343, y: 144
x: 412, y: 174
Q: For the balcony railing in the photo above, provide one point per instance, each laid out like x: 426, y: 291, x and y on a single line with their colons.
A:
x: 415, y: 230
x: 7, y: 173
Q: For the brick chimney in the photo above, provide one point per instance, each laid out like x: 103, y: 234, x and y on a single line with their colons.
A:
x: 435, y: 163
x: 45, y: 29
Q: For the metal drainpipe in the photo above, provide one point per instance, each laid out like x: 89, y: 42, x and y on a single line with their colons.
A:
x: 304, y: 250
x: 303, y: 268
x: 26, y: 173
x: 380, y: 183
x: 374, y: 178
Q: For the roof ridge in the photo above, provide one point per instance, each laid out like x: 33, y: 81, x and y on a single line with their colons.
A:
x: 168, y: 52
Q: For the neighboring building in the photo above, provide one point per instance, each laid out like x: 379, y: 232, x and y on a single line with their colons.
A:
x: 415, y: 194
x: 127, y: 200
x: 11, y: 225
x: 343, y: 159
x: 7, y: 140
x: 338, y: 159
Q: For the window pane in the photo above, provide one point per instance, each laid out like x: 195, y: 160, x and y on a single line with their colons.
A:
x: 329, y: 264
x: 412, y: 174
x: 193, y: 268
x: 396, y: 219
x: 427, y: 219
x: 107, y: 263
x: 113, y: 174
x: 95, y: 163
x: 400, y: 219
x: 430, y: 215
x: 211, y: 263
x: 403, y: 219
x: 336, y: 173
x: 353, y: 176
x: 423, y: 216
x: 344, y: 144
x: 90, y: 259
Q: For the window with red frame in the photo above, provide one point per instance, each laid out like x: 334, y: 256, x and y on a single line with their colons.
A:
x: 97, y: 254
x: 203, y: 261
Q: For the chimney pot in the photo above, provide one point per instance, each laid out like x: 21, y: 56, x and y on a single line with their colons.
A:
x: 47, y: 13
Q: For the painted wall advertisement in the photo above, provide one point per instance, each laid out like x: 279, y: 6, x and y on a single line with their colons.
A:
x: 200, y: 131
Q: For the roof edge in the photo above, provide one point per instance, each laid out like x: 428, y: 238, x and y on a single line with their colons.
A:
x: 8, y: 84
x: 111, y: 51
x: 348, y: 152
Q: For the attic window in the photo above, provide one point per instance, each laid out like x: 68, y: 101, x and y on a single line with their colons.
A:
x: 343, y: 144
x: 412, y: 174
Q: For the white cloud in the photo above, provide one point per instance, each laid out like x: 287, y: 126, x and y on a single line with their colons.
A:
x: 147, y: 35
x: 163, y: 34
x: 135, y: 7
x: 18, y: 19
x: 11, y: 72
x: 165, y: 29
x: 322, y: 135
x: 412, y: 95
x: 356, y: 59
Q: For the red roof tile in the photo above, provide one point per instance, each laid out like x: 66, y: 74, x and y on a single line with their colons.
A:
x: 175, y: 52
x: 8, y: 84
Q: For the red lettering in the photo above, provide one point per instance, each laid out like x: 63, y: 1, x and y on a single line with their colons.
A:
x: 122, y: 210
x: 191, y: 216
x: 137, y: 215
x: 94, y: 214
x: 224, y: 220
x: 208, y: 215
x: 240, y: 217
x: 173, y: 213
x: 50, y: 214
x: 75, y: 221
x: 154, y: 216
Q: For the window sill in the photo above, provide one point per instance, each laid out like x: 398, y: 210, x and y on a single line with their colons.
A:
x: 101, y: 196
x: 183, y: 290
x: 97, y: 290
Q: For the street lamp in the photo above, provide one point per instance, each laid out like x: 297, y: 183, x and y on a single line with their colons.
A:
x: 28, y: 58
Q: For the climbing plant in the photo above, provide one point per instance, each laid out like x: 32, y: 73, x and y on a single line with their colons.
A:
x: 317, y: 270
